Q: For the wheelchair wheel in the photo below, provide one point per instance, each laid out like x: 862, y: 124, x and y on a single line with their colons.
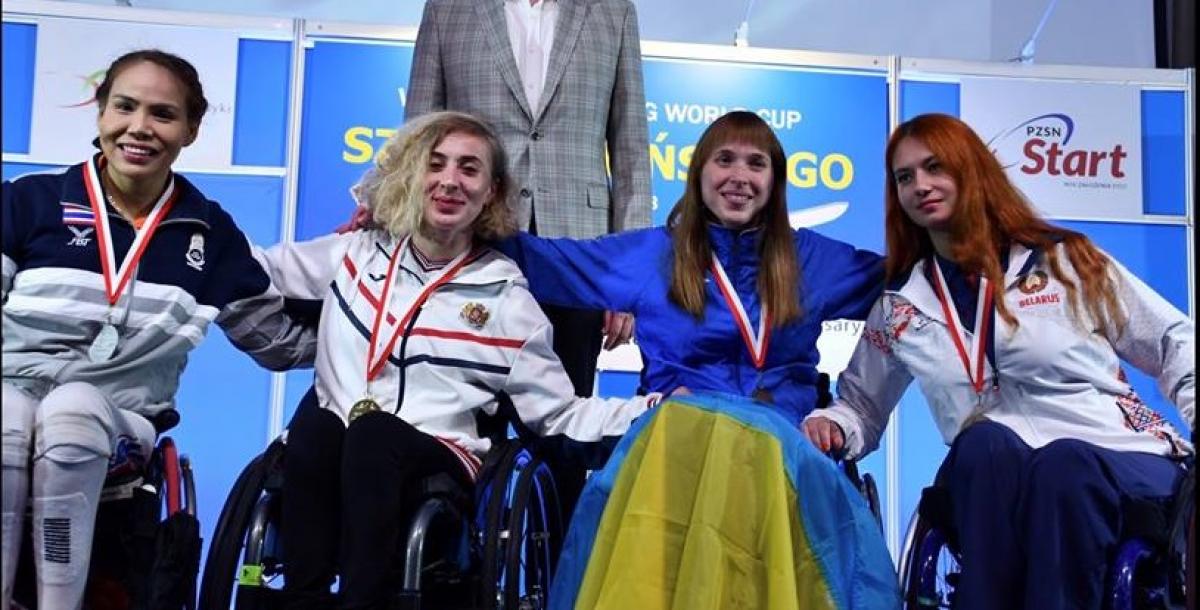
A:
x: 928, y: 567
x: 523, y: 531
x: 1150, y: 571
x: 865, y: 484
x: 1181, y: 550
x: 242, y: 558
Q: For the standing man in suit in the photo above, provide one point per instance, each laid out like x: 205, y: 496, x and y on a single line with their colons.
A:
x: 561, y: 83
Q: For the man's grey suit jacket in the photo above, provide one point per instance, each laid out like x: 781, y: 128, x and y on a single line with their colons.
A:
x: 593, y: 95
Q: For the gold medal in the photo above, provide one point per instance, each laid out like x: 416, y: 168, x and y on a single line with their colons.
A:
x: 363, y: 407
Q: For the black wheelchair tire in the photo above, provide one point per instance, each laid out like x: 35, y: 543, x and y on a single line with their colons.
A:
x: 910, y: 578
x: 871, y: 493
x: 489, y: 593
x: 522, y: 506
x: 220, y: 568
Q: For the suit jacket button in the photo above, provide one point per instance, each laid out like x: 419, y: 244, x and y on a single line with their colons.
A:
x: 525, y: 193
x: 536, y: 136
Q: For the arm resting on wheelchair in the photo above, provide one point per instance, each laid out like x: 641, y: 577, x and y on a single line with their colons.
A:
x: 868, y: 390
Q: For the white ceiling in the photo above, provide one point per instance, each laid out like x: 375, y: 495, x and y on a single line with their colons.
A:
x: 1085, y: 32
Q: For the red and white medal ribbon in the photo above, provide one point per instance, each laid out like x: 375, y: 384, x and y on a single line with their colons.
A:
x: 116, y: 278
x: 377, y: 355
x: 756, y: 342
x: 972, y: 356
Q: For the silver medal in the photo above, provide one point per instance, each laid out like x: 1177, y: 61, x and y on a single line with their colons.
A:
x: 104, y: 345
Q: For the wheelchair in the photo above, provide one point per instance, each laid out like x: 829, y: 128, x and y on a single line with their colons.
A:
x: 864, y: 483
x: 493, y: 547
x: 146, y: 545
x: 1152, y: 568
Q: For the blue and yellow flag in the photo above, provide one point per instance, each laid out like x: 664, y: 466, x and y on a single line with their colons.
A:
x: 715, y: 502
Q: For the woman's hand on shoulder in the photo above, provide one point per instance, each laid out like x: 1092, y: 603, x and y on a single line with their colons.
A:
x: 618, y: 329
x: 360, y: 219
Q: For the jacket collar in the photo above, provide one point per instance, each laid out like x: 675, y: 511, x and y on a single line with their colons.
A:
x: 734, y: 246
x: 571, y: 17
x: 189, y: 206
x: 484, y: 264
x: 915, y: 289
x: 494, y: 25
x: 570, y: 25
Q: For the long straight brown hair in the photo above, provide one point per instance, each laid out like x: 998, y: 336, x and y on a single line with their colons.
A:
x: 778, y: 270
x: 991, y: 214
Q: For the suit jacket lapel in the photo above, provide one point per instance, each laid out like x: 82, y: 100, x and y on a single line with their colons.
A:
x: 491, y: 15
x: 571, y: 15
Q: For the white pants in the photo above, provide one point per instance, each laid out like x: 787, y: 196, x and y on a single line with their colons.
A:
x: 68, y: 437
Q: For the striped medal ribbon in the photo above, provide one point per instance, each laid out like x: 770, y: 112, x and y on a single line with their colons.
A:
x: 971, y: 355
x: 377, y: 354
x: 117, y: 278
x: 756, y: 342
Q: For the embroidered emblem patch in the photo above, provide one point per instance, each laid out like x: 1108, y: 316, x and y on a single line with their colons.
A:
x: 899, y: 316
x: 475, y: 314
x: 82, y: 236
x: 1033, y: 282
x: 195, y: 252
x: 127, y: 458
x: 1139, y: 417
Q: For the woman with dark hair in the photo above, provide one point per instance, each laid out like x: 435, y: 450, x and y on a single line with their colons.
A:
x: 1015, y: 330
x: 727, y: 296
x: 112, y: 272
x: 423, y: 325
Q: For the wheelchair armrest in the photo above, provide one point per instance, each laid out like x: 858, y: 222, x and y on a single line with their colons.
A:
x: 1147, y: 519
x: 824, y: 394
x: 937, y: 507
x: 165, y: 420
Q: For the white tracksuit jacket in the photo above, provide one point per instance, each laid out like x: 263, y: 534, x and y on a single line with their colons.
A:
x: 479, y: 334
x: 1057, y: 378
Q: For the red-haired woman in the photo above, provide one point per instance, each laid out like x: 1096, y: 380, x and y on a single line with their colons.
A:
x: 1014, y: 329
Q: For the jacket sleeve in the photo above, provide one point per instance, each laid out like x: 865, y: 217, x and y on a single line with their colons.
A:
x: 869, y: 388
x: 252, y: 311
x: 426, y: 83
x: 847, y: 280
x: 544, y: 401
x: 12, y: 237
x: 304, y: 270
x: 608, y: 272
x: 1158, y: 339
x: 628, y: 138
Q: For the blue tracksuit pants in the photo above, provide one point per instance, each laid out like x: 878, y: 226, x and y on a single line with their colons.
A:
x: 1038, y: 527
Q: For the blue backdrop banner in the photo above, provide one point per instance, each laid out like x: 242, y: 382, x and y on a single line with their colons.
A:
x: 354, y: 96
x: 833, y: 126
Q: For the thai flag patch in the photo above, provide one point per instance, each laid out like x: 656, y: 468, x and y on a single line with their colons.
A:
x: 77, y: 214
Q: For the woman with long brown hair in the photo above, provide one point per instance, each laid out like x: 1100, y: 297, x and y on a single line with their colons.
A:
x: 1014, y: 329
x: 727, y: 296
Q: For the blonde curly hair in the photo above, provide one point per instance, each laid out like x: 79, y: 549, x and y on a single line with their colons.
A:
x: 394, y: 188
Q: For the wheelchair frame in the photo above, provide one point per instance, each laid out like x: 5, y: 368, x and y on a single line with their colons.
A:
x: 1128, y: 588
x: 513, y: 545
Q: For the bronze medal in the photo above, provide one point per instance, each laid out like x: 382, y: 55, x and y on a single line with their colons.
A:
x: 363, y: 407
